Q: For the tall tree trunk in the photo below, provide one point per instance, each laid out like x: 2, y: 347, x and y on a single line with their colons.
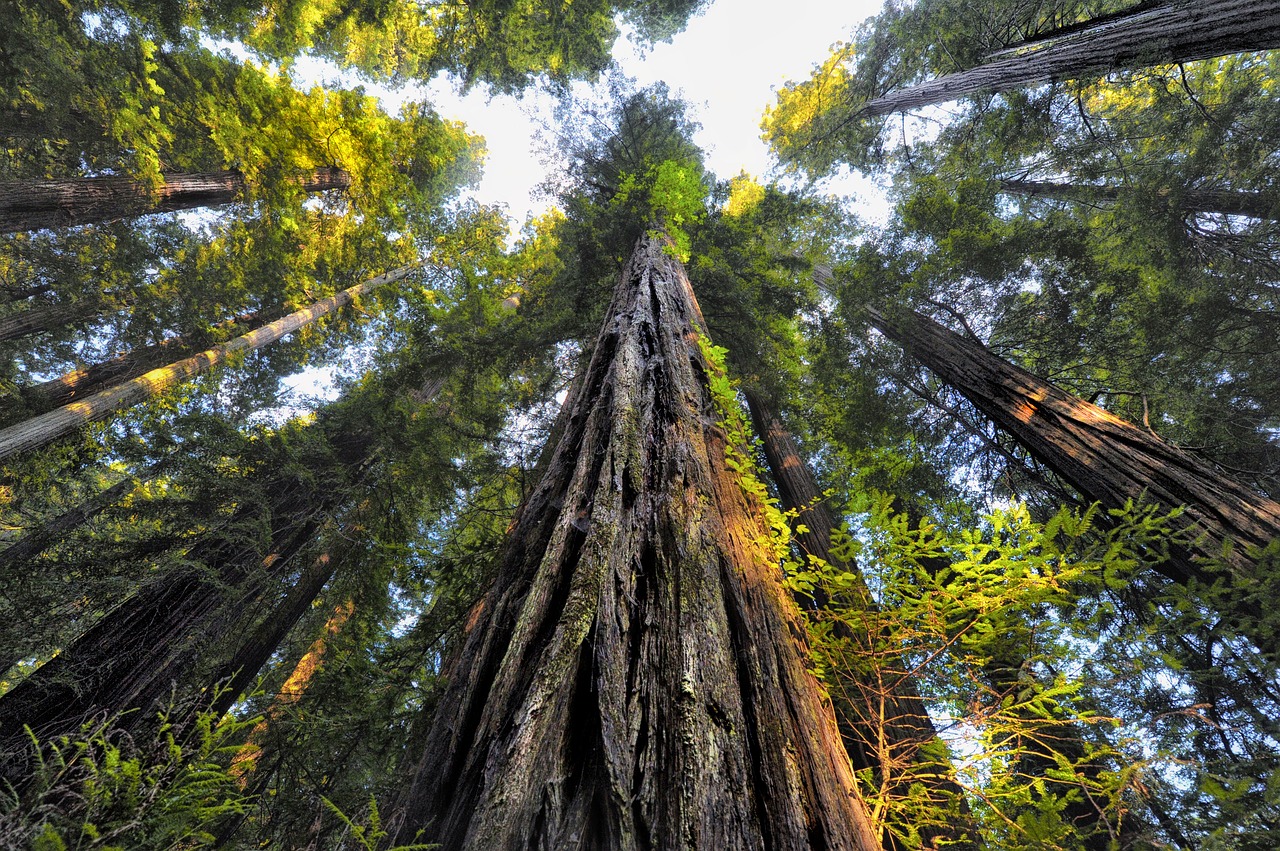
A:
x: 46, y: 317
x: 1175, y: 31
x: 1235, y: 203
x: 35, y: 204
x: 131, y: 659
x: 1108, y: 460
x: 92, y: 379
x: 291, y: 691
x: 55, y: 529
x: 43, y: 429
x: 635, y: 677
x: 882, y: 718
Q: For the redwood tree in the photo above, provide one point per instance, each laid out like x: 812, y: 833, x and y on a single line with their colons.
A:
x: 635, y: 677
x: 883, y: 719
x: 1111, y: 461
x: 1161, y: 33
x: 36, y: 204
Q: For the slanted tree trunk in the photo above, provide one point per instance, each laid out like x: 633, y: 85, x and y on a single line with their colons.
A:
x: 882, y: 718
x: 1256, y: 205
x: 43, y: 429
x: 1108, y: 460
x: 46, y: 317
x: 55, y: 529
x: 291, y: 691
x: 35, y: 204
x: 1175, y: 31
x: 635, y: 677
x: 92, y: 379
x: 129, y: 661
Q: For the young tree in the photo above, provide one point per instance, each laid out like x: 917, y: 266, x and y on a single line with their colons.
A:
x: 884, y: 722
x: 633, y: 678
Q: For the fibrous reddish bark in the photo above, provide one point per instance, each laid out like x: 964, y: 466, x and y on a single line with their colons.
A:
x: 883, y: 720
x: 1231, y: 202
x: 634, y: 678
x: 35, y: 204
x: 131, y: 659
x: 1174, y: 31
x: 1108, y: 460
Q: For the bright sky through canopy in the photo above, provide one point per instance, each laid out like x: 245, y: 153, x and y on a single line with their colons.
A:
x: 726, y: 63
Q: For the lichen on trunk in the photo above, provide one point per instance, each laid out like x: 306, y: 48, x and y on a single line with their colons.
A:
x: 635, y: 678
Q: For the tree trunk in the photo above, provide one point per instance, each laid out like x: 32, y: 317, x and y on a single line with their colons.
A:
x: 635, y: 677
x: 35, y: 204
x: 882, y: 718
x: 46, y: 317
x: 45, y: 428
x: 131, y: 659
x: 51, y: 531
x: 249, y: 754
x: 1176, y: 31
x: 1107, y: 459
x: 1256, y: 205
x: 92, y: 379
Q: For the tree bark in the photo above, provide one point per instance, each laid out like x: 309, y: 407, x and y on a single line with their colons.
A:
x: 1107, y: 459
x: 36, y: 204
x: 884, y: 722
x: 155, y: 644
x: 634, y: 678
x: 129, y: 661
x: 93, y: 379
x: 51, y: 531
x: 1175, y: 31
x: 46, y: 317
x: 43, y: 429
x: 1255, y: 205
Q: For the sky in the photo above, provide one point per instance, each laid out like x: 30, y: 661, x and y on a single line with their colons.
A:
x: 727, y: 64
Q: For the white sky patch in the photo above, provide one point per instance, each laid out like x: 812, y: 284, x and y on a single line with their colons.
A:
x: 731, y: 60
x: 728, y: 64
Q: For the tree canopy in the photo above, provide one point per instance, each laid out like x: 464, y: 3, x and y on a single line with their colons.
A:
x: 706, y: 509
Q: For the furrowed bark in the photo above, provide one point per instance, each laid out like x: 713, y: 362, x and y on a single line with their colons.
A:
x: 43, y: 429
x: 1176, y: 31
x: 634, y: 679
x: 131, y: 659
x: 1255, y: 205
x: 1107, y: 459
x: 883, y: 720
x: 36, y: 204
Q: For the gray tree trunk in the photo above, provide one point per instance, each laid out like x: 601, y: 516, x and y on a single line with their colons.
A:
x: 45, y: 428
x: 1256, y: 205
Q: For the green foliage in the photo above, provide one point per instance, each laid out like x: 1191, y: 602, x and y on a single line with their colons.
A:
x: 983, y: 619
x: 104, y: 789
